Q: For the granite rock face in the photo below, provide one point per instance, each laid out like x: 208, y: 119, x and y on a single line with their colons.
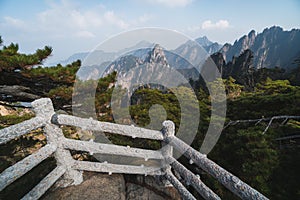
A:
x: 101, y: 186
x: 274, y: 47
x: 149, y: 188
x: 95, y: 186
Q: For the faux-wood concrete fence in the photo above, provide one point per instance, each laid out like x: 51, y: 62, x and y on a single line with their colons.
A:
x: 69, y: 171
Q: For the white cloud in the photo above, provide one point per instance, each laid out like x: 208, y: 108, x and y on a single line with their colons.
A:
x: 145, y: 18
x: 84, y: 34
x: 221, y: 24
x: 64, y: 22
x: 112, y: 19
x: 171, y: 3
x: 193, y: 28
x: 141, y: 20
x: 67, y: 17
x: 14, y: 22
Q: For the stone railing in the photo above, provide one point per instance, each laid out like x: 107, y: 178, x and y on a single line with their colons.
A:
x: 69, y: 171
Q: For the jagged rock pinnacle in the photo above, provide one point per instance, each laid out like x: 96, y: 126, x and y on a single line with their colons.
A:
x: 157, y: 56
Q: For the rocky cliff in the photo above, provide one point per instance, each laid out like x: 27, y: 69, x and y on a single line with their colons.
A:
x: 274, y: 47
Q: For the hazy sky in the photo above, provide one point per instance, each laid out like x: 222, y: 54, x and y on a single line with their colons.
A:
x: 80, y: 25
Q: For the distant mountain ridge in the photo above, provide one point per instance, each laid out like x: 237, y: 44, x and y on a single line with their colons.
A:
x: 156, y: 55
x: 72, y: 58
x: 102, y: 55
x: 209, y: 46
x: 274, y: 47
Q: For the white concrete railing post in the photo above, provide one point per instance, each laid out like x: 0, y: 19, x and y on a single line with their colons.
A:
x: 44, y: 108
x: 168, y: 131
x: 167, y: 150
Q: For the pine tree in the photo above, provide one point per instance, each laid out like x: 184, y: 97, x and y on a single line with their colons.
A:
x: 11, y: 59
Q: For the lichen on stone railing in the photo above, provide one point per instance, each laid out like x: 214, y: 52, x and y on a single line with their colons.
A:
x: 69, y: 171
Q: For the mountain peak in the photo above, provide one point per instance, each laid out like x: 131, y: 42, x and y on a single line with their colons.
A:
x: 157, y: 55
x: 251, y: 34
x: 273, y: 29
x: 276, y: 28
x: 157, y: 47
x: 204, y: 41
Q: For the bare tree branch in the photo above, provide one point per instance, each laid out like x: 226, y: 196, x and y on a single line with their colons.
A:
x: 14, y: 106
x: 257, y: 121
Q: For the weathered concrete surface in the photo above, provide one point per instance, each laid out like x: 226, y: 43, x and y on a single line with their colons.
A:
x: 231, y: 182
x: 22, y: 128
x: 95, y: 186
x: 93, y: 147
x: 14, y: 172
x: 95, y: 125
x: 45, y: 184
x: 193, y: 180
x: 180, y: 187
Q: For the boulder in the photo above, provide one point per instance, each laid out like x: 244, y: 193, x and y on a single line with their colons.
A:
x: 95, y: 186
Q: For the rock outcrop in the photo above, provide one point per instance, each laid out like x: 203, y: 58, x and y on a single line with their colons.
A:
x: 114, y: 187
x: 274, y: 47
x: 95, y: 186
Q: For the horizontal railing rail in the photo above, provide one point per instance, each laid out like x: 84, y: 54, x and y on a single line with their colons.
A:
x: 17, y: 170
x: 116, y: 168
x: 94, y: 125
x: 45, y: 184
x: 20, y: 129
x: 94, y: 147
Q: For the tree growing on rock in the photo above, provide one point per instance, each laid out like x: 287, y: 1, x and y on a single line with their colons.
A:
x: 11, y: 59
